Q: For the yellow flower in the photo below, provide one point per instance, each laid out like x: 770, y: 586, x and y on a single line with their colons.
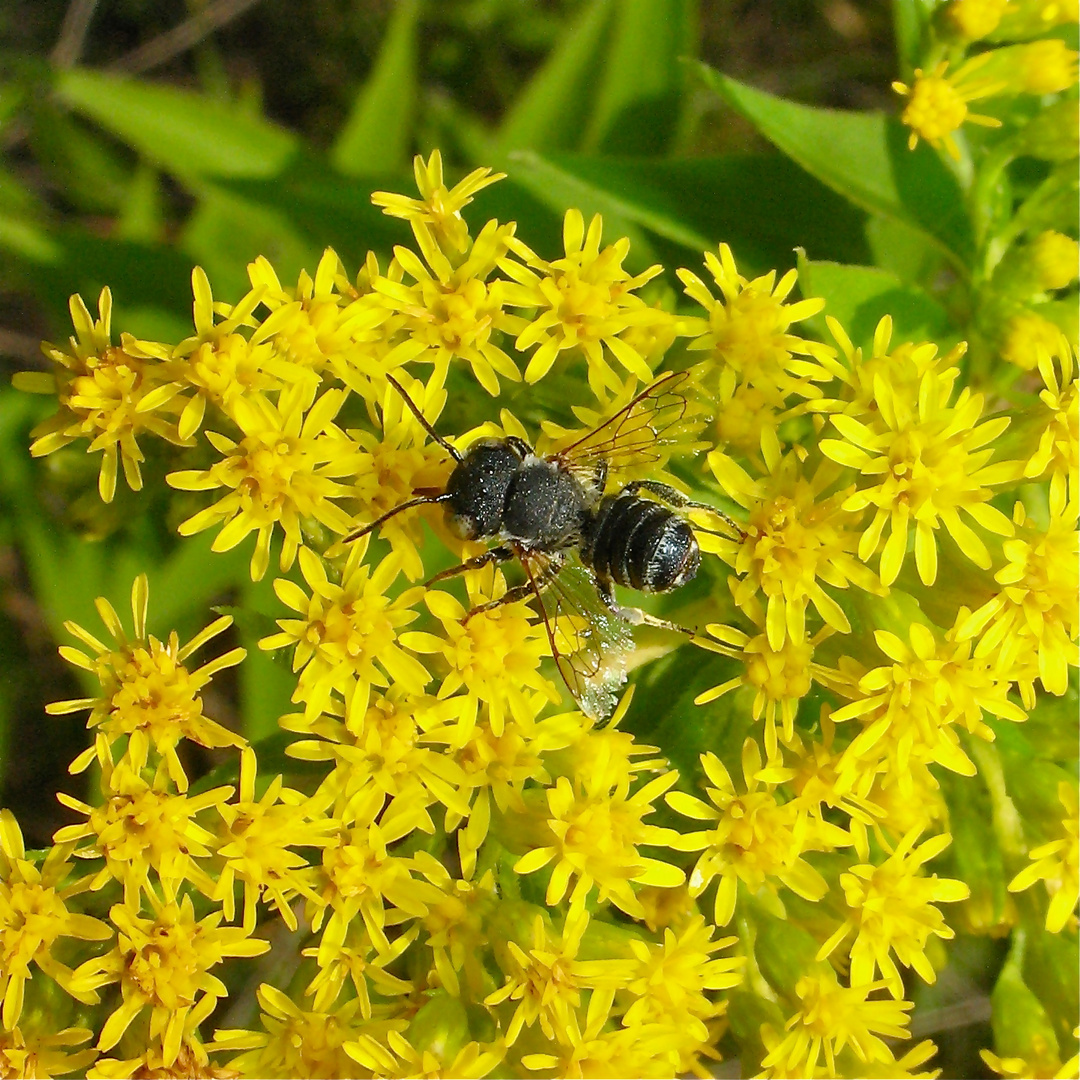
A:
x: 362, y: 877
x: 584, y: 301
x: 295, y: 1042
x: 751, y: 839
x: 672, y: 977
x: 43, y: 1057
x: 393, y: 467
x: 975, y: 19
x: 106, y: 393
x: 165, y: 963
x: 922, y: 461
x: 383, y: 746
x: 600, y: 1050
x: 191, y: 1061
x: 496, y: 767
x: 324, y: 325
x: 780, y: 678
x: 281, y: 471
x: 748, y: 334
x: 347, y: 636
x: 909, y: 705
x: 593, y: 834
x: 1054, y: 257
x: 255, y: 846
x: 457, y: 926
x: 146, y: 692
x: 495, y: 655
x: 453, y: 308
x: 437, y: 213
x: 1032, y: 623
x: 793, y: 536
x: 33, y: 917
x: 1036, y: 67
x: 1059, y: 441
x: 547, y: 979
x: 219, y: 363
x: 438, y: 1059
x: 832, y: 1017
x: 891, y: 909
x: 818, y: 784
x: 938, y: 103
x: 1026, y: 337
x: 1058, y: 864
x: 346, y: 953
x: 139, y: 827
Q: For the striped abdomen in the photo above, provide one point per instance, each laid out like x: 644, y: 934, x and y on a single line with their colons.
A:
x: 639, y: 543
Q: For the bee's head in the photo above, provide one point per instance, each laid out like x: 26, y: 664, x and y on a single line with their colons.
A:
x: 477, y: 488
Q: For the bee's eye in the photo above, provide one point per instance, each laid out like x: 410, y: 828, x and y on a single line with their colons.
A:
x: 463, y: 527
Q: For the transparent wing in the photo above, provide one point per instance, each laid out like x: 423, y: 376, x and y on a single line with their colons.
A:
x: 635, y: 434
x: 589, y: 643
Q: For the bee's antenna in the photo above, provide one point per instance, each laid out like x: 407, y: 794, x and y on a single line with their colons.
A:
x: 452, y: 451
x: 419, y: 501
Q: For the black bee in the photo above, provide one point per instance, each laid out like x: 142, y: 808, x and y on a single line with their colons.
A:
x: 573, y: 542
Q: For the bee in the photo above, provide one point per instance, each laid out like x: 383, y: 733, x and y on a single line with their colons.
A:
x: 574, y: 542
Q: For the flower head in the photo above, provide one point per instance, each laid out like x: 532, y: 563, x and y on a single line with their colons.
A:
x: 751, y: 837
x: 748, y: 336
x: 831, y: 1017
x: 109, y: 394
x: 164, y: 964
x: 493, y: 654
x: 34, y: 916
x: 593, y: 835
x: 437, y: 213
x: 795, y: 538
x: 1058, y: 864
x: 347, y: 637
x: 891, y: 909
x: 281, y: 471
x: 585, y: 302
x: 147, y: 694
x: 938, y: 103
x: 923, y: 462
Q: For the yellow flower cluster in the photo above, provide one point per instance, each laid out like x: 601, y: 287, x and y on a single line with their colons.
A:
x: 1012, y: 55
x: 471, y: 876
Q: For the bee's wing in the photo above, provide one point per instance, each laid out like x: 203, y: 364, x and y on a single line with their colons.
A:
x: 633, y: 435
x: 589, y: 643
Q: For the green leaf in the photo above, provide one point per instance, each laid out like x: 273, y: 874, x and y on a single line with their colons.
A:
x: 763, y: 205
x: 26, y: 239
x: 865, y: 157
x: 77, y: 160
x: 547, y: 114
x: 639, y: 100
x: 375, y: 138
x: 860, y: 295
x: 227, y: 232
x: 141, y: 216
x: 186, y: 134
x: 326, y: 208
x: 74, y: 260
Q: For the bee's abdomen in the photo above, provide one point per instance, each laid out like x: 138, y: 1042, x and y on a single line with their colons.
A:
x: 640, y: 544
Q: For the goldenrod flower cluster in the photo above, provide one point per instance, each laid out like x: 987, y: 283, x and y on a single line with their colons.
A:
x: 1012, y: 57
x: 471, y: 876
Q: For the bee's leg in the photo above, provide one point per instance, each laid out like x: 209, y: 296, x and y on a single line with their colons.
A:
x: 635, y: 616
x: 511, y: 596
x: 674, y: 497
x: 495, y: 555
